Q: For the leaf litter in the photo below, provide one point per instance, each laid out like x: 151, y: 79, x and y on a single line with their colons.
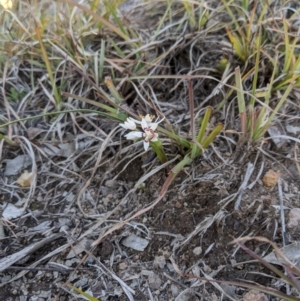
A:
x: 92, y: 186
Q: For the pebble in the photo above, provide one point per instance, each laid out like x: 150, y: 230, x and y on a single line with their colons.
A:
x: 135, y: 242
x: 154, y: 281
x: 178, y: 205
x: 294, y: 218
x: 146, y: 272
x: 106, y: 201
x: 197, y: 251
x: 254, y: 296
x: 174, y: 290
x: 270, y: 179
x: 170, y: 267
x: 111, y: 183
x: 159, y: 261
x: 123, y: 266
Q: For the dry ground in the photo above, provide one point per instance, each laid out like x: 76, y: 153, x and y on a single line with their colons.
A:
x: 87, y: 178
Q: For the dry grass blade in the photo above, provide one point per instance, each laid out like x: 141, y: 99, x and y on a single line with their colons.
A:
x: 83, y: 294
x: 100, y: 19
x: 210, y: 73
x: 278, y: 252
x: 49, y: 69
x: 6, y: 262
x: 256, y: 286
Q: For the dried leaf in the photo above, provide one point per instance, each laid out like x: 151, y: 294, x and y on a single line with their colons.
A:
x: 11, y: 211
x: 32, y: 132
x: 275, y: 131
x: 14, y: 166
x: 25, y: 179
x: 135, y: 242
x: 291, y: 252
x: 78, y: 248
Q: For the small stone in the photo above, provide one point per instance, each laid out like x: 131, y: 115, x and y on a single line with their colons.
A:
x: 136, y: 258
x: 123, y: 266
x: 154, y: 281
x: 197, y: 251
x: 294, y: 218
x: 104, y: 191
x: 270, y: 178
x: 170, y: 267
x: 174, y: 290
x: 106, y: 201
x: 178, y: 205
x: 254, y: 296
x: 111, y: 183
x: 207, y: 269
x: 146, y: 272
x: 159, y: 261
x: 135, y: 242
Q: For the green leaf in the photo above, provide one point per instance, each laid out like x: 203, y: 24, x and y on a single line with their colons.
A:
x: 159, y: 150
x: 79, y: 291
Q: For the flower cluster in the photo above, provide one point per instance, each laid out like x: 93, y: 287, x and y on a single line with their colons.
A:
x: 7, y: 4
x: 148, y: 129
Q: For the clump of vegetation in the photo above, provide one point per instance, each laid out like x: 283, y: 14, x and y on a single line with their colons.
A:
x: 179, y: 77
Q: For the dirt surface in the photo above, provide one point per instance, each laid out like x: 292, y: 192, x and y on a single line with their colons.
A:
x: 191, y: 224
x: 85, y: 220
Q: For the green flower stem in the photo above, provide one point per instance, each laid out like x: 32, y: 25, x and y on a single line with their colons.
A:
x: 187, y: 160
x: 195, y: 149
x: 173, y: 174
x: 241, y: 100
x: 8, y: 141
x: 159, y: 150
x: 175, y: 137
x: 211, y: 137
x: 260, y: 132
x: 208, y: 140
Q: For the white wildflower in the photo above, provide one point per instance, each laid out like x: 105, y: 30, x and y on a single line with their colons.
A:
x: 7, y: 4
x: 148, y: 128
x: 129, y: 124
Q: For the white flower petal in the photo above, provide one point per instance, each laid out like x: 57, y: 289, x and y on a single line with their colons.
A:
x: 134, y: 120
x: 154, y: 139
x: 144, y: 124
x: 146, y: 145
x: 148, y: 118
x: 153, y: 126
x: 134, y: 135
x: 128, y: 124
x: 123, y: 125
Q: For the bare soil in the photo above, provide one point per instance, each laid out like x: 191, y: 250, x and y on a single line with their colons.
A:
x: 87, y: 175
x: 189, y: 224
